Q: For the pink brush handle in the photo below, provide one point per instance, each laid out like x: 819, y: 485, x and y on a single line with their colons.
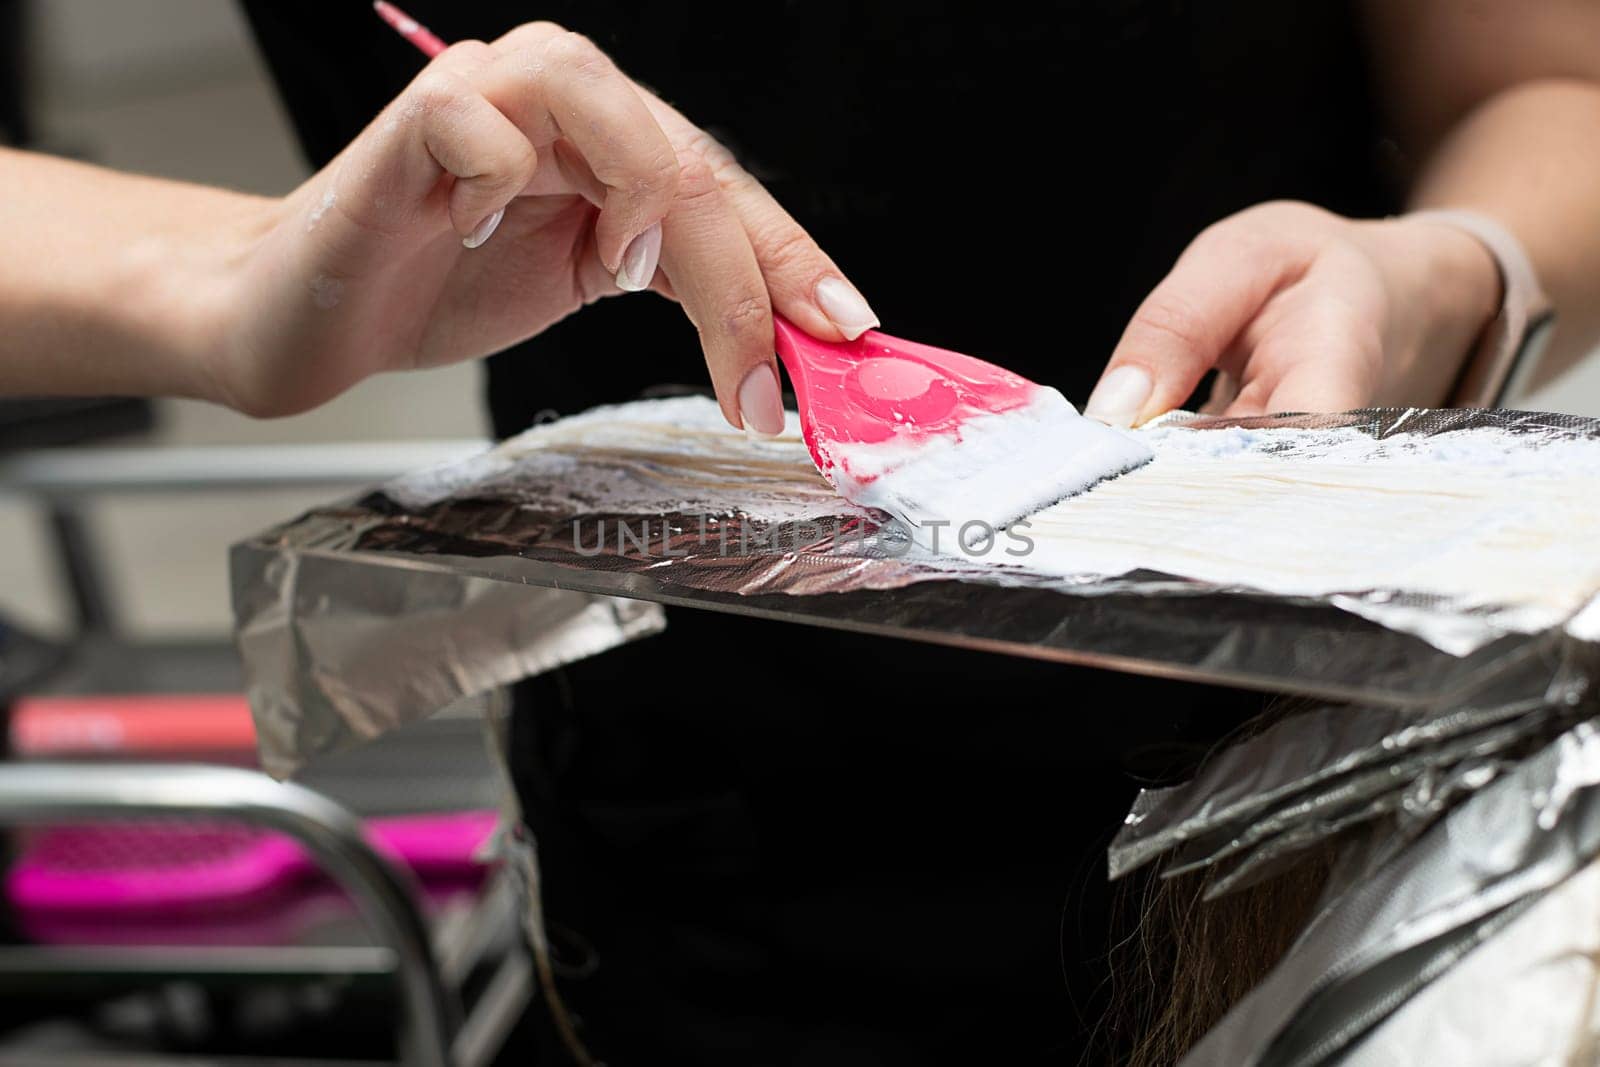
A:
x: 880, y: 388
x: 409, y: 28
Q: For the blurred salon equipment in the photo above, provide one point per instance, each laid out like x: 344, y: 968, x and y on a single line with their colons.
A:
x: 169, y: 901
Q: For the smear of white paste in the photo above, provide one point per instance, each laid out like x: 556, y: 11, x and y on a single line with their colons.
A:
x: 324, y: 205
x: 1000, y: 468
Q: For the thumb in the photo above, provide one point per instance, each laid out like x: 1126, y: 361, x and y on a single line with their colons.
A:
x: 1188, y: 321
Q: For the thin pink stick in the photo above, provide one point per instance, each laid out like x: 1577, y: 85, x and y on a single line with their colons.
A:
x: 409, y: 28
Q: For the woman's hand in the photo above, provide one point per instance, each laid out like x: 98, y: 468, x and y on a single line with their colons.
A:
x: 508, y: 186
x: 1299, y: 309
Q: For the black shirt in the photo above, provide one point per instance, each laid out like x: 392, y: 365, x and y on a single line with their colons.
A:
x: 765, y: 872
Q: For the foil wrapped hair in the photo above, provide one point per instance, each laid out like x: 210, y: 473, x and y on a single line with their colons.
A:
x: 1461, y: 761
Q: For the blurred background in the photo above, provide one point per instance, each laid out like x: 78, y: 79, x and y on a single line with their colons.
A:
x: 203, y: 933
x: 175, y: 88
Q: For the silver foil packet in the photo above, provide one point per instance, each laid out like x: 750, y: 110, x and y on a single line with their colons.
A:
x: 1318, y: 762
x: 1413, y: 918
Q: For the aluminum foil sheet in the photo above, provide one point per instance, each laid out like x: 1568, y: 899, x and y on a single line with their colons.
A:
x: 1456, y: 820
x: 1443, y: 771
x: 335, y: 655
x: 660, y: 501
x: 1317, y: 765
x: 1525, y: 998
x: 1467, y: 882
x: 746, y: 516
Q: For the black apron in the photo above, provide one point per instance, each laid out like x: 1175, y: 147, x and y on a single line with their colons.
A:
x: 743, y: 865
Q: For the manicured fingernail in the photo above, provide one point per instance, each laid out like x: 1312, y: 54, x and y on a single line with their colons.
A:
x: 760, y: 404
x: 484, y: 230
x: 845, y: 307
x: 639, y: 260
x: 1120, y: 396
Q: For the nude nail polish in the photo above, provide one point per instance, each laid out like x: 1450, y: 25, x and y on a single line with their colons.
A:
x: 760, y: 401
x: 484, y: 230
x: 1120, y: 396
x: 845, y: 307
x: 639, y: 260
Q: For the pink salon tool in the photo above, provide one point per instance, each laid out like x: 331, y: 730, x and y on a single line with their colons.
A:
x: 409, y: 28
x: 943, y: 440
x: 306, y: 915
x: 136, y: 870
x: 935, y: 438
x: 216, y: 726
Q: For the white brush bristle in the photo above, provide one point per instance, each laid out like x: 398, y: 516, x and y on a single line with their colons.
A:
x: 1003, y: 468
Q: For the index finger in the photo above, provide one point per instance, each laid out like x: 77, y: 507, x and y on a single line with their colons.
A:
x: 804, y: 282
x: 555, y: 84
x: 714, y: 272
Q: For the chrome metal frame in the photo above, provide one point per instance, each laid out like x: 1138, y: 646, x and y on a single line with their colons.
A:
x: 65, y: 473
x: 34, y: 793
x: 59, y: 479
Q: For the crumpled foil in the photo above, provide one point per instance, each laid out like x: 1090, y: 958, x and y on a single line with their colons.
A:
x: 1454, y: 818
x: 336, y: 653
x: 1463, y: 883
x: 1525, y: 998
x: 1316, y: 765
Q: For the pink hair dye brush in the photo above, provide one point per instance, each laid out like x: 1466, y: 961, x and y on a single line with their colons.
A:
x: 941, y: 440
x: 409, y: 28
x: 935, y: 438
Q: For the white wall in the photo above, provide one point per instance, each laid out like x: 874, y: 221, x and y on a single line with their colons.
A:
x: 1577, y: 392
x: 92, y: 50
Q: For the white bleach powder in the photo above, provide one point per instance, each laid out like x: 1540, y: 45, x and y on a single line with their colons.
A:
x: 326, y: 292
x: 323, y: 206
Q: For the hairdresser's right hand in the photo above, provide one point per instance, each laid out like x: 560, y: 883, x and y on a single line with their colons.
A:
x: 509, y: 185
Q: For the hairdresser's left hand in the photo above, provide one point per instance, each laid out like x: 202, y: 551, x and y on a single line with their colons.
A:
x: 1299, y: 309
